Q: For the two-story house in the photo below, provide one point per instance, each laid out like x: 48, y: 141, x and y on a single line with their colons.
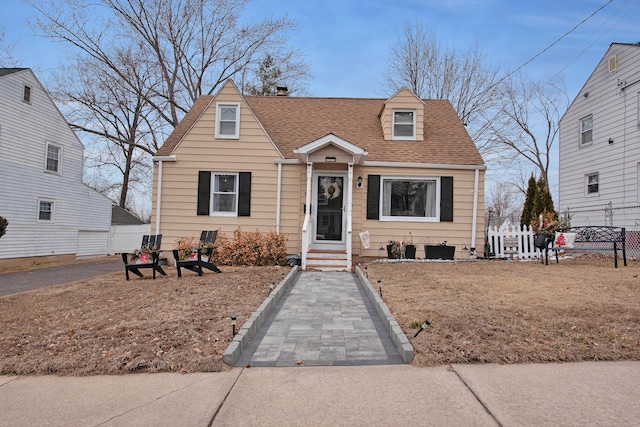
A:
x: 322, y: 171
x: 599, y: 169
x: 51, y: 212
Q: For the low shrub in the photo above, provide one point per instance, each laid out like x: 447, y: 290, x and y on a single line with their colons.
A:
x: 3, y: 226
x: 252, y: 248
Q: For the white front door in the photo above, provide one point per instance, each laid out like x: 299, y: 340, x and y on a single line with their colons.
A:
x: 329, y: 207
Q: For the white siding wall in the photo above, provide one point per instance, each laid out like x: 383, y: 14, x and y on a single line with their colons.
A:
x: 613, y: 101
x: 24, y: 131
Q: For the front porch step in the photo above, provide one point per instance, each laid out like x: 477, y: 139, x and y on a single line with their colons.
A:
x: 326, y: 260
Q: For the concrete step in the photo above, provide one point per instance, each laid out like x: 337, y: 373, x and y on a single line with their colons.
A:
x: 326, y: 260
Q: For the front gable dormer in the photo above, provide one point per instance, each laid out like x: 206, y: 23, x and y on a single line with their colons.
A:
x: 402, y: 117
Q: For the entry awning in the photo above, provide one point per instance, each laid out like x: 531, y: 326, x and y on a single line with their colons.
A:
x: 357, y: 154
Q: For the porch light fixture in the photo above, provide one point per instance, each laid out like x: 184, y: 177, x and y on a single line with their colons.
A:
x: 359, y: 184
x: 233, y: 325
x: 330, y: 159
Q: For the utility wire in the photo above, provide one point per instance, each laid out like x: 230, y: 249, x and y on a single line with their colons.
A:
x: 594, y: 41
x: 556, y: 42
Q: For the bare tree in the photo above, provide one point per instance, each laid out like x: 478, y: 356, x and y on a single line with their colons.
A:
x: 7, y: 57
x: 528, y: 121
x: 160, y: 55
x: 503, y: 198
x: 431, y: 69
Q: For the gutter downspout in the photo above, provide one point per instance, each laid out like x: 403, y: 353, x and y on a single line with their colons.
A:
x: 159, y: 189
x: 158, y: 197
x: 278, y: 198
x: 474, y: 225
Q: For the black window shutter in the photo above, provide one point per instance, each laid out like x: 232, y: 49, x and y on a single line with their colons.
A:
x: 204, y: 192
x: 446, y: 198
x: 244, y: 194
x: 373, y: 197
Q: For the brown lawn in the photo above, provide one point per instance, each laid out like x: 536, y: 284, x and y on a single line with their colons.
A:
x: 498, y: 311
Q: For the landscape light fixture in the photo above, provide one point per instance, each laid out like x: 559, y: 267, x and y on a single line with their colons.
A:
x: 233, y: 325
x: 271, y: 286
x: 423, y: 327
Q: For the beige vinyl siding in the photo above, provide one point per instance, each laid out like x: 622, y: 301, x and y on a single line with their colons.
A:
x: 201, y: 151
x: 403, y: 100
x: 456, y: 233
x: 292, y: 204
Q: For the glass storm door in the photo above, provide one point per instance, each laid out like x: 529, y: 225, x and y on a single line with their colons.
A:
x: 329, y: 224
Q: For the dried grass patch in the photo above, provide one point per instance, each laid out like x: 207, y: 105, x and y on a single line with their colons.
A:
x: 515, y: 312
x: 106, y: 325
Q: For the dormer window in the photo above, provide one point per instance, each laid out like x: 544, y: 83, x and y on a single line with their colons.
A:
x: 404, y: 124
x: 228, y: 121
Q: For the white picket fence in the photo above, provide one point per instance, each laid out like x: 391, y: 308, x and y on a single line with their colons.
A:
x: 525, y: 247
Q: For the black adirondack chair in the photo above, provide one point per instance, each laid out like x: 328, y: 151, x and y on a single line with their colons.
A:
x: 196, y: 265
x: 152, y: 243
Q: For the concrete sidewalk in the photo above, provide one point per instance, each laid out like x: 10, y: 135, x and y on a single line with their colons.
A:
x: 571, y: 394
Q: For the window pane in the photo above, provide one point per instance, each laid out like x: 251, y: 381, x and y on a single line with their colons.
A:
x: 587, y: 124
x: 587, y: 137
x: 44, y: 213
x: 409, y: 198
x: 405, y: 117
x: 227, y: 128
x: 225, y: 193
x: 53, y: 153
x: 403, y: 130
x: 225, y: 184
x: 224, y: 202
x: 228, y: 113
x: 592, y: 183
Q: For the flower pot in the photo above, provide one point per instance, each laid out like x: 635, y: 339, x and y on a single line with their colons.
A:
x: 439, y: 251
x: 390, y: 253
x: 410, y: 251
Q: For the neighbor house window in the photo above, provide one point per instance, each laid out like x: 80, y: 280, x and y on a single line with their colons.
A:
x: 228, y: 121
x: 53, y: 158
x: 404, y: 124
x: 45, y: 210
x: 26, y: 94
x: 586, y: 130
x: 593, y: 182
x: 409, y: 199
x: 225, y: 194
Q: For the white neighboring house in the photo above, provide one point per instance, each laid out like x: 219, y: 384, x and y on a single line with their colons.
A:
x: 600, y: 145
x: 51, y: 212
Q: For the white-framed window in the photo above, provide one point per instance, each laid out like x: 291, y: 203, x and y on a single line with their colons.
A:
x: 592, y: 181
x: 404, y: 124
x: 53, y: 158
x: 46, y: 210
x: 224, y: 197
x: 228, y: 120
x: 586, y: 130
x: 26, y: 94
x: 409, y: 199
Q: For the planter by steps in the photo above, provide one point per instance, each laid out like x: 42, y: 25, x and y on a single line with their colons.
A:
x: 410, y: 251
x: 439, y: 251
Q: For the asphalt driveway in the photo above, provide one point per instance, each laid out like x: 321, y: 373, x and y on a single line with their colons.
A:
x: 11, y: 283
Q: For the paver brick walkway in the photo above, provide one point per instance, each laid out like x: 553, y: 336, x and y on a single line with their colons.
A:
x: 325, y: 318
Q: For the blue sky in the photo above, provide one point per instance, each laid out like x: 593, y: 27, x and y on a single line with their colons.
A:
x: 346, y: 42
